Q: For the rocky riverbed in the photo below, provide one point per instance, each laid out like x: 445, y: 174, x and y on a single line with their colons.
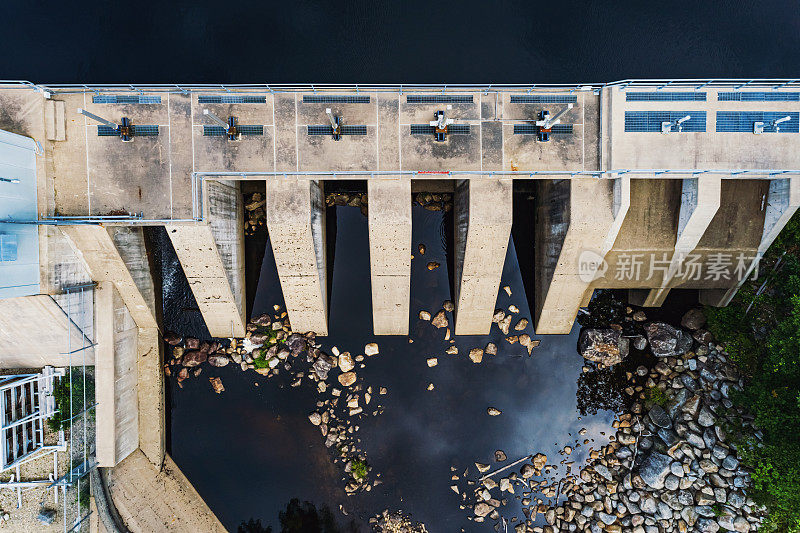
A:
x: 669, y: 467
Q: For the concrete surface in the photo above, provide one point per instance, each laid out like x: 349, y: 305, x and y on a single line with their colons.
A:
x: 483, y: 215
x: 296, y: 225
x: 116, y: 377
x: 104, y: 262
x: 207, y: 276
x: 390, y: 254
x: 150, y: 499
x: 152, y: 409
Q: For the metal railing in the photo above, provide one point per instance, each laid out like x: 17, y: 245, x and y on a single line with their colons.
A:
x: 266, y: 88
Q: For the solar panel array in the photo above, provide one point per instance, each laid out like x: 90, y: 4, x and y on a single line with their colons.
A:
x: 530, y: 129
x: 452, y: 129
x: 742, y: 121
x: 344, y: 130
x: 231, y: 99
x: 141, y: 130
x: 650, y: 121
x: 125, y: 99
x: 333, y: 99
x: 439, y: 99
x: 219, y: 131
x: 544, y: 99
x: 773, y: 96
x: 660, y: 96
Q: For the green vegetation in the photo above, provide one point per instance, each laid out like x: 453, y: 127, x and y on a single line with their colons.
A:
x: 358, y: 469
x: 717, y: 510
x: 657, y: 396
x: 61, y: 393
x: 761, y: 330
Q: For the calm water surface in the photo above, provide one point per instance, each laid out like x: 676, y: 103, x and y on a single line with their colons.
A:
x: 251, y: 449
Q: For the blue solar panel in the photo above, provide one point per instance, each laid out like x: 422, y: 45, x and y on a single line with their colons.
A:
x: 219, y: 131
x: 742, y: 121
x: 650, y: 121
x: 773, y: 96
x: 332, y: 99
x: 120, y: 99
x: 231, y: 99
x: 345, y: 130
x: 544, y: 99
x: 439, y: 99
x: 452, y: 129
x: 139, y: 131
x: 662, y: 96
x: 530, y: 129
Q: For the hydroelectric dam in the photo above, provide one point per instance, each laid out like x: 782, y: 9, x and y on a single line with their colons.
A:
x: 644, y: 185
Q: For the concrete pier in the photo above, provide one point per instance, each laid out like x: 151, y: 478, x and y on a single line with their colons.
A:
x: 296, y: 225
x: 483, y: 214
x: 390, y: 254
x: 700, y: 200
x: 207, y: 276
x: 578, y: 222
x: 95, y: 245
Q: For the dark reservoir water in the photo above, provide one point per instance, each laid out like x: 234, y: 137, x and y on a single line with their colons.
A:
x: 251, y: 449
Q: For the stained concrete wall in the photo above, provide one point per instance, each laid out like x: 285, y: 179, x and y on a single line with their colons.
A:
x: 577, y: 224
x: 390, y: 254
x: 96, y: 247
x: 225, y: 216
x: 35, y: 331
x: 152, y: 410
x: 483, y: 227
x: 116, y: 377
x: 295, y: 221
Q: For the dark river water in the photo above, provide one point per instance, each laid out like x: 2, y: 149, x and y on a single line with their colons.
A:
x: 251, y: 449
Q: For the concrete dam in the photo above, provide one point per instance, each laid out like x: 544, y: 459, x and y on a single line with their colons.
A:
x: 643, y: 185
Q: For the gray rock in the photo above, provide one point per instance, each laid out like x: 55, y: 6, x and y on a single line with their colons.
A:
x: 685, y: 498
x: 672, y: 482
x: 720, y: 452
x: 688, y: 382
x: 606, y: 346
x: 741, y: 525
x: 669, y: 437
x: 654, y: 469
x: 676, y: 469
x: 695, y: 440
x: 607, y: 519
x: 649, y: 505
x: 603, y: 471
x: 730, y: 462
x: 667, y: 341
x: 694, y: 319
x: 639, y: 342
x: 660, y: 417
x: 704, y: 525
x: 709, y: 438
x: 664, y: 511
x: 704, y: 510
x: 705, y: 417
x: 736, y: 499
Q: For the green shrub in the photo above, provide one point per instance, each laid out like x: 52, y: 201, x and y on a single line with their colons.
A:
x: 761, y: 332
x: 61, y: 392
x: 657, y: 396
x: 358, y: 469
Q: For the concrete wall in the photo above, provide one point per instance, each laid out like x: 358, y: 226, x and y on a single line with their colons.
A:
x: 208, y: 278
x: 483, y: 226
x: 116, y: 377
x: 34, y: 332
x: 152, y: 409
x: 295, y: 221
x: 390, y: 254
x: 225, y: 215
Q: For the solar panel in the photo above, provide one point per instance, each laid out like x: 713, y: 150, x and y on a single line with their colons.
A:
x: 141, y: 130
x: 219, y: 131
x: 231, y: 99
x: 120, y: 99
x: 452, y: 129
x: 544, y: 99
x: 773, y: 96
x: 531, y: 129
x: 661, y: 96
x: 332, y: 99
x: 650, y: 121
x: 439, y: 99
x: 742, y: 121
x: 345, y: 130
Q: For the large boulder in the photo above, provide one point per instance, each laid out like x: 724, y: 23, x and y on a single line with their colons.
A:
x: 694, y: 319
x: 606, y: 346
x: 667, y: 341
x: 655, y: 469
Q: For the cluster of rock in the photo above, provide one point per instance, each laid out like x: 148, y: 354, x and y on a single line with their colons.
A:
x: 668, y: 468
x: 434, y: 201
x: 269, y: 348
x: 396, y: 522
x: 359, y: 200
x: 255, y: 213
